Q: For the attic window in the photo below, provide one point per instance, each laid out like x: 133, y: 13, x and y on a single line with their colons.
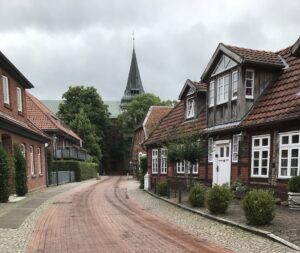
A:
x: 190, y: 108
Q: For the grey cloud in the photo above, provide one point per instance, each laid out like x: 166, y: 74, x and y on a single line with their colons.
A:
x: 61, y: 43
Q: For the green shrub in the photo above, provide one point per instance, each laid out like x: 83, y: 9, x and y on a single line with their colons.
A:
x: 21, y: 172
x: 83, y: 170
x: 218, y: 199
x: 143, y: 166
x: 259, y: 207
x: 197, y: 196
x: 162, y: 188
x: 294, y: 184
x: 4, y: 188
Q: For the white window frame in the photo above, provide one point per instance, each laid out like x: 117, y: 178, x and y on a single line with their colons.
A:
x: 180, y: 167
x: 190, y: 113
x: 39, y: 160
x: 222, y: 89
x: 210, y: 149
x: 211, y: 93
x: 5, y: 84
x: 235, y: 148
x: 252, y: 83
x: 260, y: 149
x: 163, y: 161
x: 154, y: 161
x: 234, y: 84
x: 19, y: 99
x: 32, y: 161
x: 289, y: 147
x: 23, y: 149
x: 195, y: 168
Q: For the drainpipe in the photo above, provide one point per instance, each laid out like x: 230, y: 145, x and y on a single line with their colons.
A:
x: 46, y: 165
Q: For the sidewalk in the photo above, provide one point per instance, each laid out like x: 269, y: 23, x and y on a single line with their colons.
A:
x: 286, y: 224
x: 17, y: 220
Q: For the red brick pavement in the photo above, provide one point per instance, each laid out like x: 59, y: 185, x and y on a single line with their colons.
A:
x: 100, y: 217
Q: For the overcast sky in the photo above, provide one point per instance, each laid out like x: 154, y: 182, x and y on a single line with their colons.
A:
x: 56, y: 44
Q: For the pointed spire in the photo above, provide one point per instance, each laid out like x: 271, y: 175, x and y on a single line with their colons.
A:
x: 134, y: 82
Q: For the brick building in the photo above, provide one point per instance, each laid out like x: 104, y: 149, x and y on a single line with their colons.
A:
x: 16, y: 128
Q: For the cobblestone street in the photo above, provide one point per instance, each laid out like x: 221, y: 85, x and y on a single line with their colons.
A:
x: 229, y: 237
x: 117, y: 216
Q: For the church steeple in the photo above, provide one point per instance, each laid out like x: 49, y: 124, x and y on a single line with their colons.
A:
x: 134, y: 82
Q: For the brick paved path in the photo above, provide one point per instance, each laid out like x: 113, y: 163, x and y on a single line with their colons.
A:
x: 100, y: 217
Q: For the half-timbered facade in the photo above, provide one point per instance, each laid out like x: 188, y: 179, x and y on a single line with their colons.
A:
x: 253, y: 116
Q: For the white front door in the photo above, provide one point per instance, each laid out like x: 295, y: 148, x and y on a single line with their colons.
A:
x: 221, y: 162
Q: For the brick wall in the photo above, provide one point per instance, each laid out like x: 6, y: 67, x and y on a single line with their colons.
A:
x: 12, y: 108
x: 34, y: 181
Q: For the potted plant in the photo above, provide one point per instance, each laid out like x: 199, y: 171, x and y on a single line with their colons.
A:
x: 294, y: 193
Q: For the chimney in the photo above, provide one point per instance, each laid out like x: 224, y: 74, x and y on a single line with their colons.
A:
x: 296, y: 48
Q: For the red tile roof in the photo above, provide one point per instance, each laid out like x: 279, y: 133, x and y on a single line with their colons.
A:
x: 256, y: 56
x: 281, y: 100
x: 154, y: 115
x: 174, y: 125
x: 44, y: 119
x: 26, y: 125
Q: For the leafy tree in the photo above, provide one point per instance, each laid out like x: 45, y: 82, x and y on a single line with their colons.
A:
x: 4, y: 188
x: 84, y: 106
x: 86, y: 131
x: 136, y: 110
x: 21, y: 172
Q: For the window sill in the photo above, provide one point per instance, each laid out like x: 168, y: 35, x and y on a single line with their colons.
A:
x: 180, y: 173
x: 34, y: 176
x: 223, y: 102
x: 21, y: 113
x: 40, y: 175
x: 154, y: 173
x: 163, y: 173
x: 284, y: 178
x: 7, y: 106
x: 258, y: 176
x: 248, y: 97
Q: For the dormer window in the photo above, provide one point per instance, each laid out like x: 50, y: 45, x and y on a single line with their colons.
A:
x: 190, y: 108
x: 222, y: 89
x: 249, y: 84
x: 5, y: 90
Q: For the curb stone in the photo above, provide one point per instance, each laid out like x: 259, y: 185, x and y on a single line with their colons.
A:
x: 257, y: 231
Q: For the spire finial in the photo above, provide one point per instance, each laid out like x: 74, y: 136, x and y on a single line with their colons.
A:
x: 133, y: 39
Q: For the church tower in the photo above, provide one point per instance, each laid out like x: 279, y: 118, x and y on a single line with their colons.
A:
x: 134, y: 82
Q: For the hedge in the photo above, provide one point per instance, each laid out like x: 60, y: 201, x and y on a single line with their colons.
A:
x: 4, y: 188
x: 83, y: 170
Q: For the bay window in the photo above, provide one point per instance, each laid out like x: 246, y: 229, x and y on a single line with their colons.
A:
x: 260, y: 158
x: 222, y: 89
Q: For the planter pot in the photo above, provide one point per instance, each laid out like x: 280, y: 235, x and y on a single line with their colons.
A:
x: 294, y: 200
